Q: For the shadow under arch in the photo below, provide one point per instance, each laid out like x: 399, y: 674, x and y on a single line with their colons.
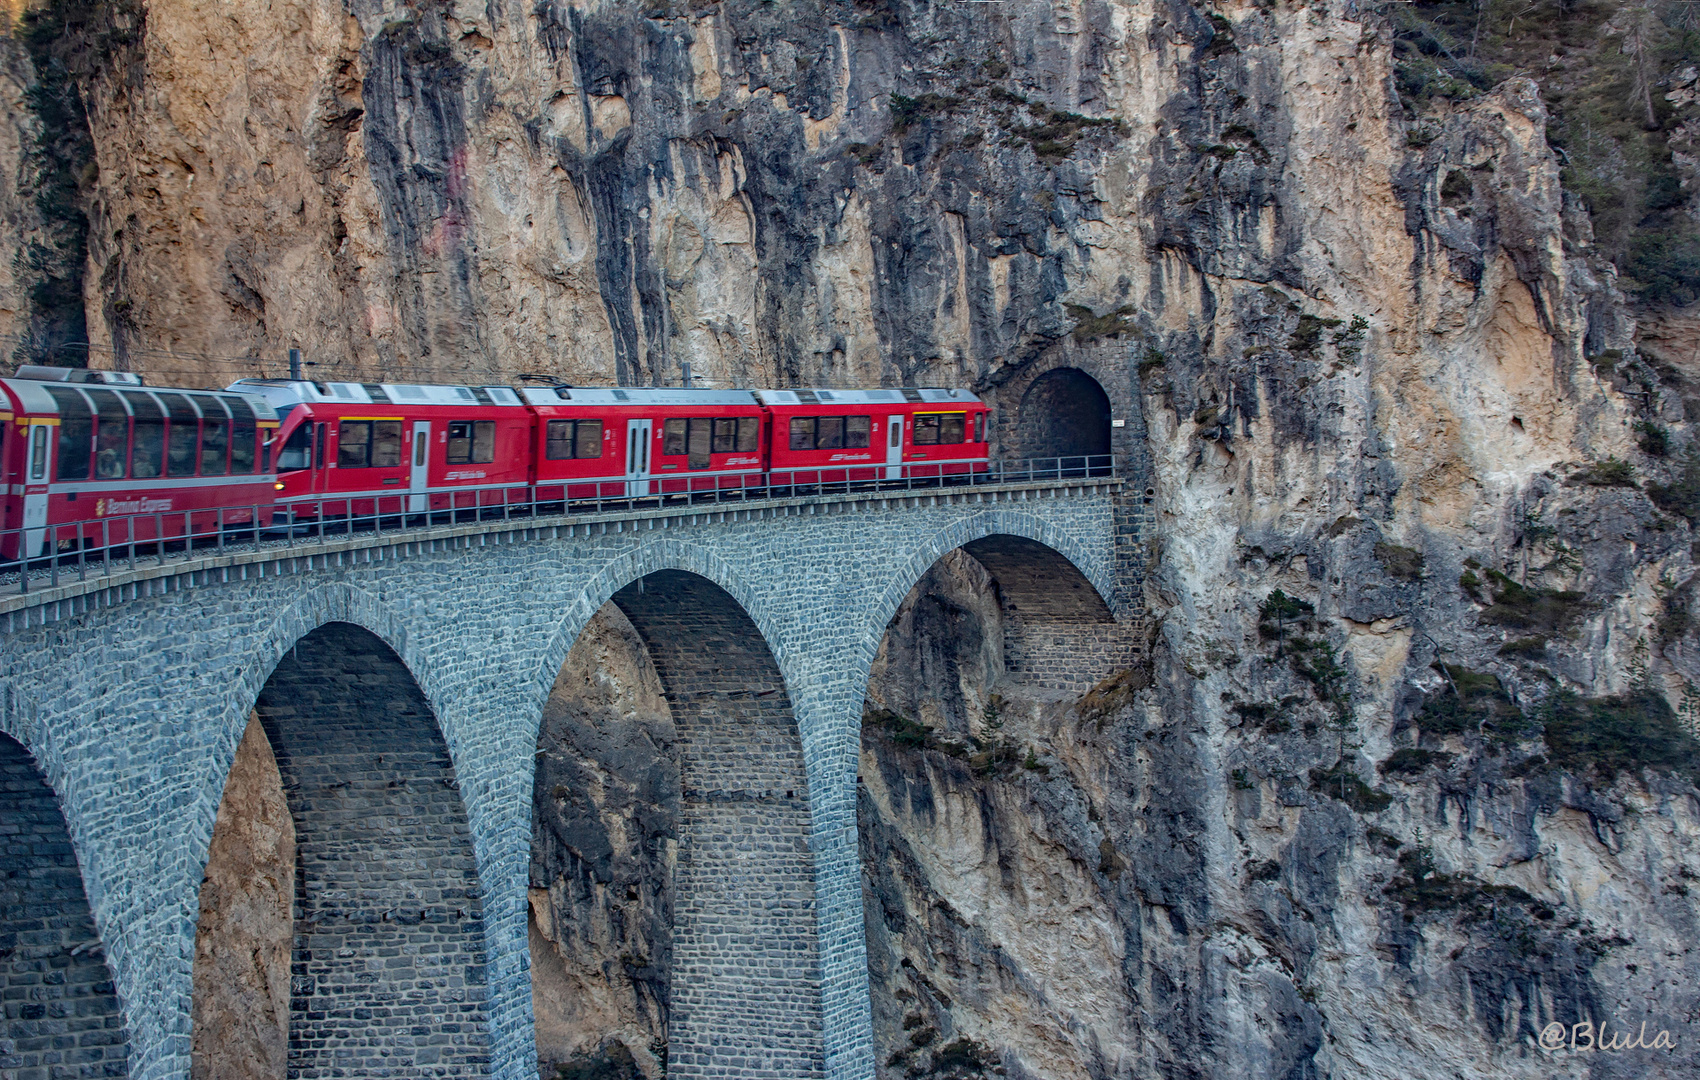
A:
x: 742, y: 980
x: 1067, y: 562
x: 386, y: 922
x: 981, y: 649
x: 1063, y: 413
x: 61, y: 1011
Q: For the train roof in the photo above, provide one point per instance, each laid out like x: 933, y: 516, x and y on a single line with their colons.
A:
x: 634, y: 395
x: 285, y: 392
x: 34, y: 395
x: 879, y: 396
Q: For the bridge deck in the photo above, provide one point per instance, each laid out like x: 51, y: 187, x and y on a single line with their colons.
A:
x: 125, y: 577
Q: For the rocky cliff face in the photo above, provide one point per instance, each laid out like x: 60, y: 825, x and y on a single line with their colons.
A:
x: 1406, y: 777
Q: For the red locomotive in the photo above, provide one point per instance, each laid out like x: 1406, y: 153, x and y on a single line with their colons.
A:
x: 94, y: 459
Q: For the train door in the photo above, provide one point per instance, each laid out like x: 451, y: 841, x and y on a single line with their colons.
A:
x: 38, y: 470
x: 894, y: 447
x: 639, y: 434
x: 419, y: 502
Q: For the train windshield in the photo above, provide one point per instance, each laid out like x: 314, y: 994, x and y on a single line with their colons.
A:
x: 297, y: 452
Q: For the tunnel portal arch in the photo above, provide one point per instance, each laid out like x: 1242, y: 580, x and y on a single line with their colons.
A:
x: 1064, y: 413
x: 60, y: 1011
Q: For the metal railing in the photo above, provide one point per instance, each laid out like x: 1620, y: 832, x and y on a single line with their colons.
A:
x: 33, y: 558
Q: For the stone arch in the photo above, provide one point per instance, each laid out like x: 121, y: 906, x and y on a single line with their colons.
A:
x: 743, y: 980
x: 1064, y: 413
x: 60, y: 1011
x: 976, y: 655
x: 387, y: 915
x: 1093, y: 570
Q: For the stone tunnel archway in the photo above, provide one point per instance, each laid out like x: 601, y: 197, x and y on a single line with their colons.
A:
x: 341, y: 831
x: 1064, y: 413
x: 671, y: 822
x: 59, y: 1009
x: 977, y: 763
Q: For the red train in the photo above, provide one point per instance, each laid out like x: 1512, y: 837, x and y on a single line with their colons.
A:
x: 89, y: 447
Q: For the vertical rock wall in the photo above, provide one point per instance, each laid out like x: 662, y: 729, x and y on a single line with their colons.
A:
x: 246, y: 929
x: 604, y: 848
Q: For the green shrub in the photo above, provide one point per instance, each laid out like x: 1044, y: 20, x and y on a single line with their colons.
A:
x: 1472, y: 702
x: 1612, y: 735
x: 1420, y: 888
x: 1682, y: 495
x: 1090, y: 327
x: 1277, y: 610
x: 1340, y: 782
x: 1612, y: 472
x: 1517, y: 607
x: 1527, y: 647
x: 963, y: 1053
x: 1412, y: 760
x: 1653, y: 440
x: 1403, y: 563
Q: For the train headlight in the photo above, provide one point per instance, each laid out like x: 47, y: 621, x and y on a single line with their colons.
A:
x: 278, y: 485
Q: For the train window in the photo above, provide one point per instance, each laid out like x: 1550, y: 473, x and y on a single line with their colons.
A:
x: 386, y: 443
x: 353, y: 444
x: 829, y: 433
x: 856, y: 430
x: 749, y: 433
x: 76, y: 433
x: 926, y: 430
x: 558, y: 440
x: 802, y: 433
x: 243, y: 436
x: 472, y: 442
x: 587, y: 439
x: 673, y: 437
x: 297, y: 452
x: 319, y: 450
x: 182, y: 439
x: 215, y: 446
x: 111, y: 435
x: 699, y: 442
x: 38, y: 452
x: 953, y: 427
x: 725, y: 436
x: 979, y: 427
x: 147, y: 455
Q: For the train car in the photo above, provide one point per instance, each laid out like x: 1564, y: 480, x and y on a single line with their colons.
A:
x: 833, y: 436
x: 631, y: 442
x: 363, y: 449
x: 94, y: 459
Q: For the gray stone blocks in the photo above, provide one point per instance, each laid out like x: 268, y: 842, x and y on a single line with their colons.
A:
x: 132, y: 699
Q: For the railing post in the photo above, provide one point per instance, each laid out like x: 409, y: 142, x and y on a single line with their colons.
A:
x: 82, y: 561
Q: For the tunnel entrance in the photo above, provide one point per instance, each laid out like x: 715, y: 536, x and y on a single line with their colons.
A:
x: 672, y: 821
x: 385, y: 919
x: 60, y: 1010
x: 1064, y: 413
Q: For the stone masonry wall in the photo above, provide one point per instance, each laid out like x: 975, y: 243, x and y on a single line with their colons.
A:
x: 133, y: 702
x: 387, y: 976
x: 1059, y: 634
x: 59, y: 1013
x: 745, y: 950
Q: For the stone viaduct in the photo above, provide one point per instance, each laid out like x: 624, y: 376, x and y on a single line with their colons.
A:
x: 400, y: 678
